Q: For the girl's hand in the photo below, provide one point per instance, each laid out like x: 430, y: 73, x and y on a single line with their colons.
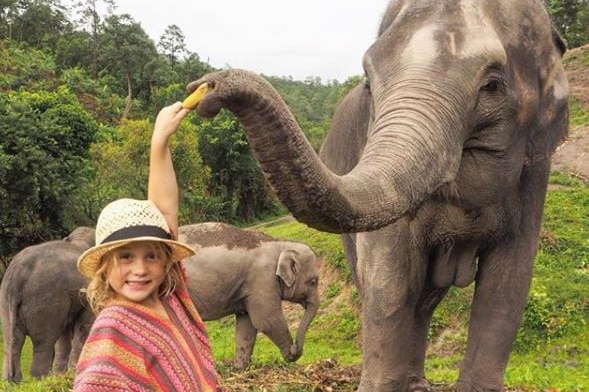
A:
x: 168, y: 120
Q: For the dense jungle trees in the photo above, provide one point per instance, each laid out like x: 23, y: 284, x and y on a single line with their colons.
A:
x: 571, y: 17
x: 45, y: 138
x: 79, y: 91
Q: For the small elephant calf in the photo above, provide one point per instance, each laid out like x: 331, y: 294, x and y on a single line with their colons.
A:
x: 40, y: 297
x: 248, y: 273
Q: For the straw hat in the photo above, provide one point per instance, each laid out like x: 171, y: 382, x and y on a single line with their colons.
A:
x: 124, y: 221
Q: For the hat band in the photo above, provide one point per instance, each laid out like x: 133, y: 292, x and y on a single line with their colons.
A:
x: 131, y: 232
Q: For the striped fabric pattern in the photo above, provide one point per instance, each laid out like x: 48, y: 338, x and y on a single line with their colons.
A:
x: 132, y: 348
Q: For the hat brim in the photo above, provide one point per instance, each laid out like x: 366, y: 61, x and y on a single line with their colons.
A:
x: 89, y: 261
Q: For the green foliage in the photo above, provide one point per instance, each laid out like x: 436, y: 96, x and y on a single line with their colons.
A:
x: 162, y: 96
x: 25, y: 67
x: 579, y: 114
x: 127, y: 149
x: 44, y: 139
x: 561, y: 365
x: 559, y: 178
x: 172, y: 43
x: 312, y: 103
x: 39, y: 22
x: 333, y: 290
x: 571, y: 18
x: 124, y: 48
x: 54, y: 383
x: 235, y: 175
x: 95, y: 95
x: 554, y: 308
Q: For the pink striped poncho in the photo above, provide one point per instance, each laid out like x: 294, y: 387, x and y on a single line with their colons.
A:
x: 132, y: 348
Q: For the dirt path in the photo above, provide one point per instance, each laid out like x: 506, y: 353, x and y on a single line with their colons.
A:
x: 573, y: 155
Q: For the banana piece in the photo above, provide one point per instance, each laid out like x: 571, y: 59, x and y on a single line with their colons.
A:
x: 193, y: 99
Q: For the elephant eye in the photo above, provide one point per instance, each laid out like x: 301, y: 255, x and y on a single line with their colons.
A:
x: 314, y: 282
x: 493, y: 85
x: 366, y: 82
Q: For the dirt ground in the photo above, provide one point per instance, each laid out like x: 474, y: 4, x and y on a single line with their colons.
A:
x: 573, y: 154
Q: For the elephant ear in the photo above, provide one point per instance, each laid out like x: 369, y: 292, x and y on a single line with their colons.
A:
x: 287, y: 268
x: 551, y: 125
x: 343, y: 146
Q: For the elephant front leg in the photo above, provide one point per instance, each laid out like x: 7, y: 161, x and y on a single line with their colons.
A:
x: 500, y: 296
x: 245, y: 339
x: 391, y: 284
x: 267, y: 317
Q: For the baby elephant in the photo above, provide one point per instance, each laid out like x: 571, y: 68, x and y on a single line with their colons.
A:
x: 40, y: 297
x: 248, y: 273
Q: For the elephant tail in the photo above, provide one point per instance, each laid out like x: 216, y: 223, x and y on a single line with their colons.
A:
x: 14, y: 337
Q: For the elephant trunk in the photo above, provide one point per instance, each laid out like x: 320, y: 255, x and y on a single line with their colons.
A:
x: 407, y: 156
x: 310, y: 312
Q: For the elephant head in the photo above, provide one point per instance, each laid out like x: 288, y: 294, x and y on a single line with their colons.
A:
x: 82, y: 236
x: 298, y: 271
x: 458, y: 97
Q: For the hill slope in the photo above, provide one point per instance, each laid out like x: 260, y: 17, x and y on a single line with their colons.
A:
x: 573, y: 155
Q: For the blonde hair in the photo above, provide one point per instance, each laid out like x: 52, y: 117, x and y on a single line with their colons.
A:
x: 99, y: 292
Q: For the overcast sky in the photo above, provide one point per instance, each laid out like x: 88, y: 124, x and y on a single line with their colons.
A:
x: 298, y: 38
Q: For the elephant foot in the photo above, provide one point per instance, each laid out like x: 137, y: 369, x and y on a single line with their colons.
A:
x: 240, y: 365
x: 464, y: 386
x: 418, y: 385
x: 390, y: 386
x: 294, y: 353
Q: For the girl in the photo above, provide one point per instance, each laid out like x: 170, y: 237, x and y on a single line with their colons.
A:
x: 148, y: 336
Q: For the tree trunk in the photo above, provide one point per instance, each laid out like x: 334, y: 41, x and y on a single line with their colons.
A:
x: 129, y: 100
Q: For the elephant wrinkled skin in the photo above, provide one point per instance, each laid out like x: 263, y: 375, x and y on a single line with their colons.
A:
x: 40, y: 297
x: 435, y: 170
x: 248, y: 273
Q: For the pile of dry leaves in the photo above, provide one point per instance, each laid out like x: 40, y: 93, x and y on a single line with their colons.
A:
x: 322, y: 376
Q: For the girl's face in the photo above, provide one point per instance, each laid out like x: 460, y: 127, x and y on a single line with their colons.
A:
x: 137, y: 273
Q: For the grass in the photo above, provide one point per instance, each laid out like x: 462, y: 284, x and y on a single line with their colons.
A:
x: 579, y: 114
x: 552, y: 347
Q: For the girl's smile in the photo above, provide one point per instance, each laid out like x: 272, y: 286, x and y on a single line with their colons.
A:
x: 137, y: 273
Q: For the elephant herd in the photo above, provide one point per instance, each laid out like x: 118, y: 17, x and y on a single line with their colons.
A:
x: 235, y: 271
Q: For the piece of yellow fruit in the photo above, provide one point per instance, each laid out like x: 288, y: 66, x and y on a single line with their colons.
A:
x: 193, y: 99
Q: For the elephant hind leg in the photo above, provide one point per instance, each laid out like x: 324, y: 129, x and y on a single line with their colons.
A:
x: 42, y: 359
x: 62, y: 351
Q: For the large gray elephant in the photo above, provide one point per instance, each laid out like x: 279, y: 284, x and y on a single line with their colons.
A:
x: 438, y: 161
x: 248, y: 273
x: 40, y: 297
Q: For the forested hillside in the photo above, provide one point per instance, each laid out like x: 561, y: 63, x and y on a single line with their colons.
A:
x: 79, y: 91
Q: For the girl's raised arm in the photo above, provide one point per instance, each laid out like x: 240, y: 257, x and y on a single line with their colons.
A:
x: 162, y: 187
